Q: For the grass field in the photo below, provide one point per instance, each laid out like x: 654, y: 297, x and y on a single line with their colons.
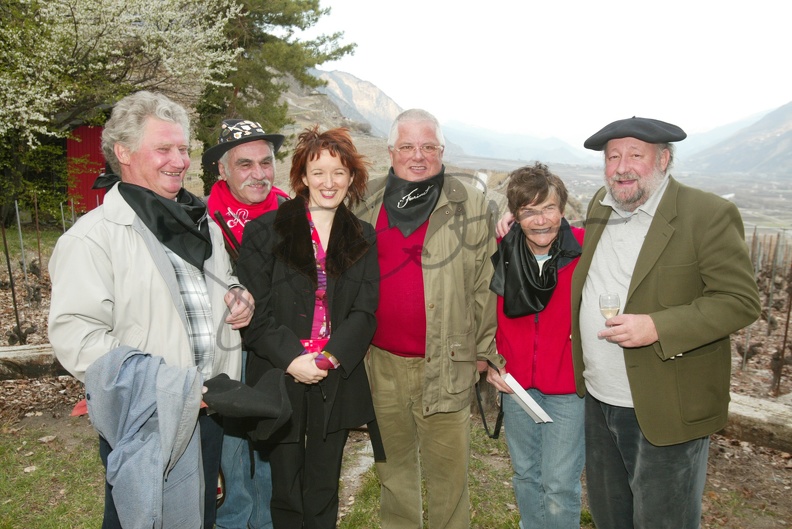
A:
x: 53, y: 479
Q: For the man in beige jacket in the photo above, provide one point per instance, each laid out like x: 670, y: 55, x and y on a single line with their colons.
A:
x: 148, y: 270
x: 435, y: 319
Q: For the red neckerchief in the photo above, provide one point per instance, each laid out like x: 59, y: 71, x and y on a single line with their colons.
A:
x: 235, y: 213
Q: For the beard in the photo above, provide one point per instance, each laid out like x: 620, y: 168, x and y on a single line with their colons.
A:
x: 646, y: 188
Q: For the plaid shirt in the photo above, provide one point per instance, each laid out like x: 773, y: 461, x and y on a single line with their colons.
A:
x: 194, y: 294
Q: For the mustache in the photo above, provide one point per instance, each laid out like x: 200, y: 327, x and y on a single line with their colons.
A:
x: 626, y: 176
x: 265, y: 183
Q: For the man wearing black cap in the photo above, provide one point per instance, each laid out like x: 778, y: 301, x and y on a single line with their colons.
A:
x: 656, y: 376
x: 244, y: 160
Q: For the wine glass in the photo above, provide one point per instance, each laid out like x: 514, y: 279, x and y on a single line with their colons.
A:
x: 609, y: 304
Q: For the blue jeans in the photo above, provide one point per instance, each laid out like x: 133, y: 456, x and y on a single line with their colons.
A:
x: 547, y: 459
x: 633, y: 484
x: 247, y: 498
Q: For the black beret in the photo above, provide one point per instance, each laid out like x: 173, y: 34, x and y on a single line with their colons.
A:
x: 645, y: 129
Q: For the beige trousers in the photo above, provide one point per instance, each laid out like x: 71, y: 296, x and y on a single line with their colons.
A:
x: 439, y: 444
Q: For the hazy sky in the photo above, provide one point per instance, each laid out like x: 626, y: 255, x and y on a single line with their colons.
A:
x: 567, y: 68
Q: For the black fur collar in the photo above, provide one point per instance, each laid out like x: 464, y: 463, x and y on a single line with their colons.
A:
x: 346, y: 246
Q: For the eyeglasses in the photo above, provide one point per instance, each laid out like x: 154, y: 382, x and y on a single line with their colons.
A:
x: 426, y: 149
x: 548, y: 211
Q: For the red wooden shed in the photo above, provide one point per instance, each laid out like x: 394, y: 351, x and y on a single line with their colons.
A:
x: 85, y: 162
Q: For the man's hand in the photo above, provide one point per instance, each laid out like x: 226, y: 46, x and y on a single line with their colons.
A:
x: 494, y: 377
x: 630, y: 330
x: 304, y: 369
x: 504, y: 224
x: 240, y: 303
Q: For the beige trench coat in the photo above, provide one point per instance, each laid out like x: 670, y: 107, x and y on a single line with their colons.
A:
x: 113, y: 284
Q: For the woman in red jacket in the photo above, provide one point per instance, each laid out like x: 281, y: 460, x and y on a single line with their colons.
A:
x: 533, y: 275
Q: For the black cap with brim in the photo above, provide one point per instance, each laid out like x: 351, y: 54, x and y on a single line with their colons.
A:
x: 236, y: 132
x: 644, y: 129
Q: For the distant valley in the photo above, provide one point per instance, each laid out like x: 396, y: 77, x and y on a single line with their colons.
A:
x: 749, y: 162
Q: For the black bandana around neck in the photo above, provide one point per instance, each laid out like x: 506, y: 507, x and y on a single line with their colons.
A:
x: 105, y: 181
x: 409, y: 204
x: 517, y: 278
x: 181, y: 225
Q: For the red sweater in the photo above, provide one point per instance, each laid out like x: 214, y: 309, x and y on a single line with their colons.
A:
x: 401, y: 315
x: 538, y: 347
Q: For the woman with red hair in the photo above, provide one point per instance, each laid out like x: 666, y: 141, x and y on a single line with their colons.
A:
x: 312, y: 267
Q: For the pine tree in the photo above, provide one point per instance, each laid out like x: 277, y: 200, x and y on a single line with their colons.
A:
x: 267, y: 32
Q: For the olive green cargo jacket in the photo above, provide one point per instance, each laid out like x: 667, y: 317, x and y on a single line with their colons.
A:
x: 460, y: 308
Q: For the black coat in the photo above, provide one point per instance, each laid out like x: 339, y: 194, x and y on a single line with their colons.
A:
x: 277, y: 264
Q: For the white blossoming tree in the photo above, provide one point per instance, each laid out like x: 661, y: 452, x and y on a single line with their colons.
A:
x: 65, y: 62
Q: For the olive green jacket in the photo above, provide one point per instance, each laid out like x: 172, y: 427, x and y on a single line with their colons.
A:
x: 695, y: 279
x: 460, y: 308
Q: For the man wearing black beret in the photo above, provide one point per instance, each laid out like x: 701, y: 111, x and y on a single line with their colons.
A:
x: 656, y: 376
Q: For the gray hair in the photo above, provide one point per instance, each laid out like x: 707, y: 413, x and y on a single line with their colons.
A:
x: 670, y: 147
x: 224, y: 158
x: 414, y: 115
x: 128, y: 120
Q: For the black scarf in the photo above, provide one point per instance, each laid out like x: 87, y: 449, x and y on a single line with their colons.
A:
x: 517, y: 277
x: 181, y: 225
x: 409, y: 204
x: 105, y: 181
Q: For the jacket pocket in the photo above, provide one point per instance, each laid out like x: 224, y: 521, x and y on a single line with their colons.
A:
x: 461, y: 351
x: 703, y: 382
x: 679, y: 284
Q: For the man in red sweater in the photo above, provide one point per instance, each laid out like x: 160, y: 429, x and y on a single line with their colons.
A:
x: 436, y: 318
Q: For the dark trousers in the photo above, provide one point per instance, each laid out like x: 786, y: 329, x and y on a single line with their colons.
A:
x: 211, y: 447
x: 632, y: 483
x: 305, y: 474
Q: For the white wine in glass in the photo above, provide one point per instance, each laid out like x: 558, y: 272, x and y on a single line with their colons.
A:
x: 609, y: 304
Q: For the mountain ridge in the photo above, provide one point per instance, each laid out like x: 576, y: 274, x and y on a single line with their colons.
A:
x: 761, y: 143
x: 764, y: 147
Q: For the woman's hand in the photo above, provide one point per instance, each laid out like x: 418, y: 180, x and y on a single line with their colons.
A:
x: 494, y: 377
x: 303, y: 369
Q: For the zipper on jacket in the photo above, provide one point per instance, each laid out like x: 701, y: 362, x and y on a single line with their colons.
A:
x: 535, y: 351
